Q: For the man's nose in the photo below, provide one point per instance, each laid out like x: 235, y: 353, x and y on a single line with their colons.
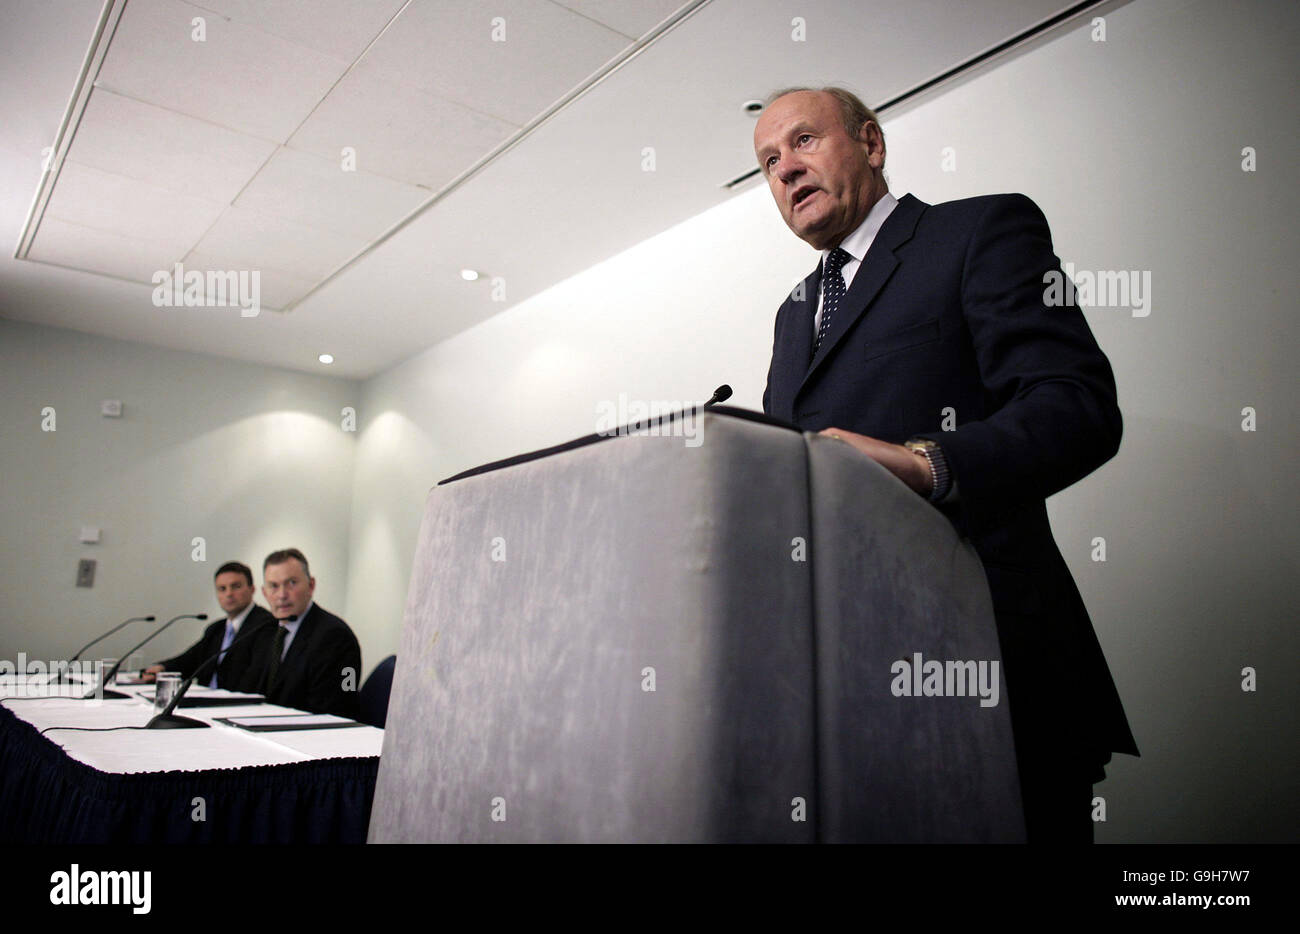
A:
x: 788, y: 167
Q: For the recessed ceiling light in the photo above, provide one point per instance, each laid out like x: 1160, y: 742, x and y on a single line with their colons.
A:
x: 326, y: 358
x: 469, y: 275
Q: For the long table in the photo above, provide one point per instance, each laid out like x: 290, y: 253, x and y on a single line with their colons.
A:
x: 113, y: 784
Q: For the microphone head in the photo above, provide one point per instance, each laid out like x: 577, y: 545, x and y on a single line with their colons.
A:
x: 200, y: 615
x: 722, y: 393
x: 150, y: 619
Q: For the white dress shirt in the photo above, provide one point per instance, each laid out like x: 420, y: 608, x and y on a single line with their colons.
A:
x: 856, y: 245
x: 232, y: 629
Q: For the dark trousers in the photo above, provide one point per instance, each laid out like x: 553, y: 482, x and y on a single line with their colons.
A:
x: 1057, y: 794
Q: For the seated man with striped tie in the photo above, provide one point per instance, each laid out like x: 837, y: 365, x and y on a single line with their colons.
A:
x: 311, y: 660
x: 234, y: 584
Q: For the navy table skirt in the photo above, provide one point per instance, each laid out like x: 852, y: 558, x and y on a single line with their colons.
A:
x: 47, y: 797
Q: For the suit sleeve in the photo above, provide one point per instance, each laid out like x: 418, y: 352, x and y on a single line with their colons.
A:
x: 1051, y: 415
x: 189, y: 660
x: 335, y: 678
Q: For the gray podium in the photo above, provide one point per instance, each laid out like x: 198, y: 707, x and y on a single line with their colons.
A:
x: 643, y: 640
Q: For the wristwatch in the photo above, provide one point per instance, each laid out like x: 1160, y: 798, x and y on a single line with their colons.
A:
x: 934, y: 456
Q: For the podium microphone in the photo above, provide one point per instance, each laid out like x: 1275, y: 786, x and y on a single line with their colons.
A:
x: 721, y: 394
x: 62, y: 676
x: 170, y: 721
x: 108, y: 676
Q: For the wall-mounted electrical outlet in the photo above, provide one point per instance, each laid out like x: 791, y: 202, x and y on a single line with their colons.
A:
x: 86, y: 572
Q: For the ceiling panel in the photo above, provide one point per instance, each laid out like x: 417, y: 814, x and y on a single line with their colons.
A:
x: 338, y: 28
x: 633, y: 18
x: 165, y: 148
x: 244, y: 239
x: 101, y: 251
x: 277, y: 288
x: 238, y: 77
x: 398, y: 131
x: 132, y: 208
x: 316, y: 192
x: 547, y: 50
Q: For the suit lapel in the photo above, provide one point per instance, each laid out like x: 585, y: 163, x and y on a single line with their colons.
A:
x: 877, y: 266
x: 299, y: 644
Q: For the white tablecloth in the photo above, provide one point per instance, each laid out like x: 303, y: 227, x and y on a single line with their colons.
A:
x: 133, y: 751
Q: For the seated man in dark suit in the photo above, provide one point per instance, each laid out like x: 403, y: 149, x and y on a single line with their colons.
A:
x: 927, y: 340
x: 234, y: 583
x: 311, y: 660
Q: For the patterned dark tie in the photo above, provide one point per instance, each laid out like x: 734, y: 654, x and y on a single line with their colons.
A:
x: 832, y: 291
x: 276, y: 652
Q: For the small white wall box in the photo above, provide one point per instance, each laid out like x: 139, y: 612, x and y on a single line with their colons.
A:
x: 111, y: 408
x: 90, y: 535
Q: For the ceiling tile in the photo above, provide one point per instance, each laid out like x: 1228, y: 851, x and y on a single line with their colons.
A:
x: 129, y: 207
x: 101, y: 251
x: 316, y: 192
x: 338, y: 28
x: 547, y: 51
x: 632, y: 18
x: 238, y: 77
x: 276, y: 288
x: 399, y: 131
x: 165, y: 148
x: 244, y: 239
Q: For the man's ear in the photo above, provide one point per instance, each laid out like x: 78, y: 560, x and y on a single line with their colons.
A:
x: 874, y: 142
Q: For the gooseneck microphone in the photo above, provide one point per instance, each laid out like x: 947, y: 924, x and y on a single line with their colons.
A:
x: 721, y: 394
x: 170, y: 721
x: 108, y: 676
x: 62, y: 676
x: 133, y: 619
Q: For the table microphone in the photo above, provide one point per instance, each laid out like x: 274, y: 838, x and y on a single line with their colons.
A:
x: 721, y: 394
x: 118, y: 695
x: 170, y: 721
x: 62, y: 676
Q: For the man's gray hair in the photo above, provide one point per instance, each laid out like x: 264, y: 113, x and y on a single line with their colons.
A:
x: 853, y: 112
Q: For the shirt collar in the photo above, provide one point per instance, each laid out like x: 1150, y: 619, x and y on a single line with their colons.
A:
x: 293, y: 627
x: 236, y: 621
x: 857, y: 243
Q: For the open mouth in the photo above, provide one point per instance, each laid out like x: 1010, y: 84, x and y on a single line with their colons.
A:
x: 801, y: 195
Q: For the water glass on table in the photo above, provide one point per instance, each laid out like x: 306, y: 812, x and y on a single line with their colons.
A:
x: 165, y: 687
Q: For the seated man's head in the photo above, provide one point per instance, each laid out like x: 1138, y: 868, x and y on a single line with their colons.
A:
x: 234, y: 583
x: 287, y: 583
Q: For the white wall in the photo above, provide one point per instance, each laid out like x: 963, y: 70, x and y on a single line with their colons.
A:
x: 248, y: 458
x: 1133, y: 149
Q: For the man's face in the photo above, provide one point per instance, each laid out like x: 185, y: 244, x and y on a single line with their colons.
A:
x: 234, y: 592
x: 287, y: 588
x: 824, y: 181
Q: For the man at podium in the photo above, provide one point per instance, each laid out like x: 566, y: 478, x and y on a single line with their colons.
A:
x: 926, y: 339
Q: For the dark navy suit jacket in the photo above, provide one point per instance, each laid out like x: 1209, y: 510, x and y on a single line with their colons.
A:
x: 233, y: 672
x: 321, y: 671
x: 947, y: 315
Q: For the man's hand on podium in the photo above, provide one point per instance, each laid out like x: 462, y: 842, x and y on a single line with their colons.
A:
x: 910, y: 467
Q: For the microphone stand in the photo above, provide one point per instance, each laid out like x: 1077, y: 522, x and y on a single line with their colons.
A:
x: 62, y: 676
x: 167, y: 720
x: 118, y: 695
